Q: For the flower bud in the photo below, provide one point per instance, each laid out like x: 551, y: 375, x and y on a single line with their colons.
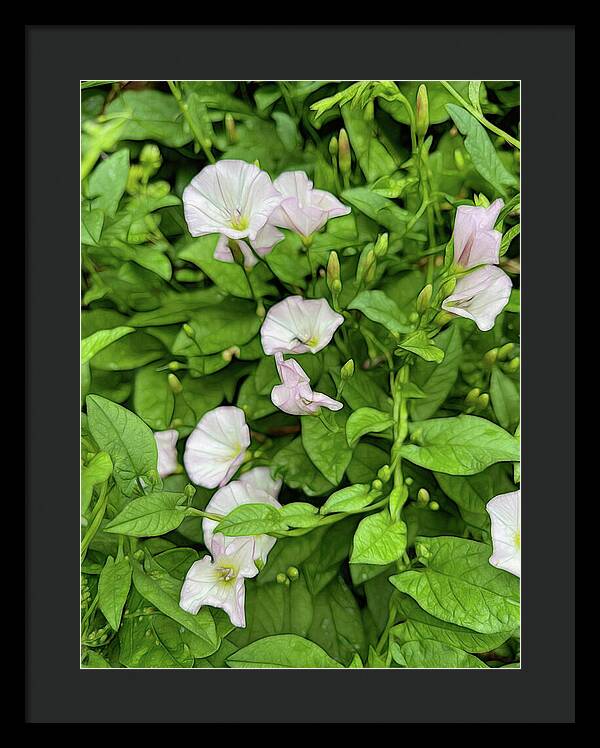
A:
x: 422, y: 114
x: 189, y: 491
x: 409, y: 481
x: 333, y: 269
x: 347, y: 370
x: 490, y: 357
x: 513, y: 365
x: 442, y: 318
x: 459, y: 159
x: 151, y: 156
x: 159, y: 189
x: 377, y: 485
x: 381, y: 245
x: 293, y: 573
x: 230, y: 128
x: 336, y: 287
x: 281, y: 578
x: 423, y: 496
x: 384, y: 473
x: 424, y: 298
x: 260, y: 310
x: 434, y: 506
x: 483, y: 401
x: 413, y: 317
x: 139, y: 555
x: 136, y: 173
x: 344, y: 157
x: 176, y: 366
x: 416, y: 436
x: 189, y: 331
x: 174, y: 384
x: 504, y: 351
x: 472, y: 396
x: 448, y: 287
x: 333, y: 147
x: 229, y: 353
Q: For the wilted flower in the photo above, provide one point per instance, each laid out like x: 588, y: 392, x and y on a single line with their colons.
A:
x: 480, y: 295
x: 304, y: 209
x: 166, y: 441
x: 234, y: 494
x: 265, y: 240
x: 505, y: 514
x: 475, y: 240
x: 216, y: 447
x: 297, y: 325
x: 294, y: 395
x: 220, y: 581
x: 232, y: 198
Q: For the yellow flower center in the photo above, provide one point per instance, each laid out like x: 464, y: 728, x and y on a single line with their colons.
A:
x: 239, y: 222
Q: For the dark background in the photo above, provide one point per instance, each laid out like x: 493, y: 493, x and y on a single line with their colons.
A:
x: 57, y: 58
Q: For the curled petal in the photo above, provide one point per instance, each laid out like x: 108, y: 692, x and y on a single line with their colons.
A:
x: 294, y: 395
x: 265, y: 240
x: 166, y: 442
x: 480, y: 295
x: 297, y: 325
x: 475, y: 240
x: 216, y: 447
x: 505, y: 516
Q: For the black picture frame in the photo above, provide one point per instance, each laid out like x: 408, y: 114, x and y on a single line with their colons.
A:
x: 57, y: 58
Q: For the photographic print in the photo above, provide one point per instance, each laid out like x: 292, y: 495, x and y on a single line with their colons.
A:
x: 300, y: 374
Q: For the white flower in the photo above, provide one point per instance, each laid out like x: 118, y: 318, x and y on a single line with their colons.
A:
x: 242, y: 491
x: 505, y: 515
x: 476, y: 242
x: 304, y: 209
x: 220, y: 581
x: 230, y: 197
x: 297, y: 325
x: 260, y: 477
x: 265, y: 240
x: 216, y: 447
x: 480, y: 295
x: 294, y: 395
x: 166, y: 442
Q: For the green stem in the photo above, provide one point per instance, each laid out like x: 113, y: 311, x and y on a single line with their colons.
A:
x: 198, y: 136
x: 96, y: 520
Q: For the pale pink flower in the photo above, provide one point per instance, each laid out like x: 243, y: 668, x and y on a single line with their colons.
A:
x: 166, y: 442
x: 216, y: 447
x: 232, y: 198
x: 297, y: 325
x: 505, y: 515
x: 476, y: 242
x: 480, y: 295
x: 294, y: 395
x: 304, y: 209
x: 220, y: 581
x: 265, y: 240
x: 242, y: 491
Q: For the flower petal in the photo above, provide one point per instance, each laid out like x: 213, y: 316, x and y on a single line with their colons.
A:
x: 297, y: 325
x: 166, y: 442
x: 480, y: 295
x: 505, y: 516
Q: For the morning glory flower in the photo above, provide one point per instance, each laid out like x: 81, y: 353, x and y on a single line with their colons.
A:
x: 232, y: 198
x: 297, y: 325
x: 166, y: 442
x: 476, y: 242
x: 220, y: 581
x: 304, y: 209
x: 260, y: 477
x: 480, y: 295
x: 265, y: 240
x: 216, y: 447
x: 225, y: 500
x: 505, y: 515
x: 294, y: 395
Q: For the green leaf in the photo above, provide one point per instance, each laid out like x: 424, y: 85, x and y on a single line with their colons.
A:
x: 153, y: 641
x: 252, y: 519
x: 300, y: 514
x: 482, y: 152
x: 348, y: 499
x: 504, y: 393
x: 127, y: 439
x: 328, y: 450
x: 433, y: 654
x: 418, y: 343
x: 98, y: 470
x: 508, y: 237
x: 380, y: 308
x: 130, y: 352
x: 93, y: 344
x: 374, y: 159
x: 113, y: 588
x: 228, y: 276
x: 150, y: 115
x: 460, y: 586
x: 378, y: 540
x: 437, y: 380
x: 381, y: 210
x: 282, y: 651
x: 153, y: 399
x: 152, y: 515
x: 461, y: 445
x: 366, y: 421
x: 106, y: 184
x: 293, y: 465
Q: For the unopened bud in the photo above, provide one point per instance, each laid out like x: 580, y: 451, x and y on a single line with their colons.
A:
x: 159, y: 189
x: 422, y: 113
x: 459, y: 159
x: 150, y: 156
x: 230, y: 128
x: 377, y: 485
x: 333, y: 147
x: 384, y: 473
x: 336, y: 287
x: 472, y: 396
x: 229, y: 353
x: 416, y: 436
x: 136, y: 173
x: 434, y: 506
x: 189, y: 331
x: 293, y: 573
x: 175, y: 366
x: 381, y: 245
x: 490, y: 357
x: 442, y: 318
x: 513, y: 365
x: 413, y: 317
x: 174, y: 384
x: 281, y: 578
x: 423, y: 496
x: 139, y: 555
x: 424, y: 298
x: 347, y: 370
x: 333, y: 268
x: 448, y: 288
x: 344, y: 157
x: 483, y: 401
x: 260, y: 310
x: 505, y: 351
x: 189, y: 491
x: 409, y: 481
